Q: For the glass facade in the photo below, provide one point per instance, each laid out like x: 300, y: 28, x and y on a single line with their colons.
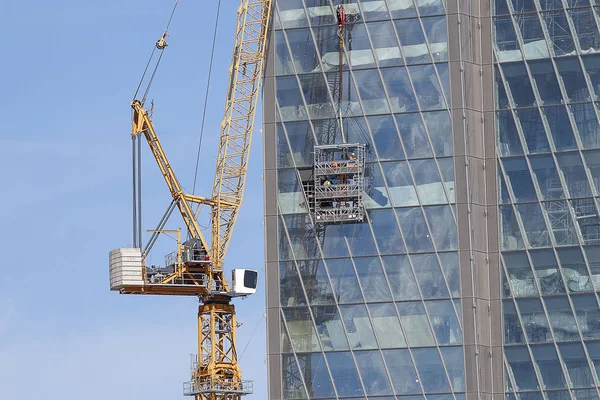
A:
x: 547, y: 78
x: 372, y: 309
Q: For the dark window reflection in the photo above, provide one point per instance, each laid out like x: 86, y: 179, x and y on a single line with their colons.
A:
x: 519, y: 84
x: 559, y: 31
x: 549, y: 366
x: 509, y: 143
x: 577, y: 364
x: 544, y: 76
x: 521, y: 367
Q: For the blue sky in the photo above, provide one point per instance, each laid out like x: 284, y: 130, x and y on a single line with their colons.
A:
x: 69, y: 69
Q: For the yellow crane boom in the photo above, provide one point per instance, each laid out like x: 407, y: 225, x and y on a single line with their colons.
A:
x: 196, y: 269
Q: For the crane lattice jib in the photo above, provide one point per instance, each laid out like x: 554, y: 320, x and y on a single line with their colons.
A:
x: 238, y: 121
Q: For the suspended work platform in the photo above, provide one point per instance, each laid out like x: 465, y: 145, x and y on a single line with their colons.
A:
x: 339, y: 180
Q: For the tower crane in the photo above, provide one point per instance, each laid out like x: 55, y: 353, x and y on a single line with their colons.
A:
x: 196, y: 267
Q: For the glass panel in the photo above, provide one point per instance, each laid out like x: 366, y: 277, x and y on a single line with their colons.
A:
x: 504, y: 195
x: 518, y: 175
x: 513, y: 332
x: 431, y: 370
x: 545, y: 172
x: 561, y: 223
x: 507, y: 47
x: 520, y: 276
x: 329, y: 328
x: 437, y: 35
x: 443, y: 227
x: 400, y: 185
x: 415, y: 231
x: 301, y: 330
x: 290, y: 292
x: 510, y: 233
x: 387, y: 234
x: 284, y: 157
x: 372, y: 280
x: 573, y: 79
x: 546, y: 270
x: 387, y: 326
x: 574, y: 270
x: 509, y: 143
x: 293, y: 385
x: 399, y: 89
x: 574, y: 174
x: 592, y: 66
x: 413, y: 41
x: 447, y: 169
x: 371, y: 92
x: 544, y: 77
x: 443, y: 319
x: 301, y: 140
x: 303, y: 57
x: 549, y: 366
x: 521, y: 367
x: 519, y: 84
x: 427, y: 87
x: 358, y: 327
x: 289, y: 195
x: 360, y: 240
x: 377, y: 195
x: 558, y: 395
x: 593, y: 257
x: 402, y: 372
x: 577, y: 365
x: 586, y: 394
x: 316, y: 94
x: 439, y: 127
x: 416, y: 327
x: 413, y: 136
x: 334, y: 244
x: 344, y: 374
x: 561, y: 318
x: 560, y: 127
x: 454, y: 361
x: 429, y: 184
x: 449, y: 263
x: 559, y: 32
x: 592, y: 159
x: 593, y: 349
x: 343, y: 280
x: 401, y: 278
x: 315, y: 374
x: 588, y: 315
x: 534, y: 224
x: 587, y: 124
x: 385, y: 44
x: 532, y: 34
x: 501, y: 96
x: 361, y: 55
x: 372, y: 371
x: 533, y: 130
x: 586, y: 29
x: 429, y: 276
x: 534, y: 319
x: 385, y: 135
x: 316, y: 282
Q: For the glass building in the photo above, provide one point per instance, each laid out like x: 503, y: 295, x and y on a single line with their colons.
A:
x: 468, y: 264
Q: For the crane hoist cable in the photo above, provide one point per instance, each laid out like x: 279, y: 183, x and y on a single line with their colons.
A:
x: 160, y: 45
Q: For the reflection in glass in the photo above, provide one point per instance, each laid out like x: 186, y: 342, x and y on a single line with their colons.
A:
x: 416, y: 327
x: 427, y: 87
x: 386, y: 232
x: 329, y: 328
x: 534, y: 320
x: 444, y: 322
x: 358, y: 327
x: 360, y: 240
x: 413, y: 136
x: 544, y: 77
x: 519, y: 84
x: 372, y: 371
x: 546, y: 269
x: 545, y: 172
x: 439, y: 127
x: 587, y: 124
x: 429, y: 276
x: 455, y: 365
x: 343, y: 280
x: 344, y: 374
x: 293, y: 385
x: 431, y: 370
x: 521, y: 368
x: 511, y: 238
x: 509, y: 143
x: 429, y: 184
x: 548, y: 364
x: 412, y: 40
x: 560, y: 127
x: 577, y: 365
x: 400, y: 276
x: 573, y: 79
x: 588, y: 315
x: 386, y: 325
x: 560, y: 34
x: 561, y: 223
x: 574, y: 270
x: 585, y: 28
x: 513, y: 333
x: 301, y: 330
x: 318, y: 382
x: 518, y: 176
x: 415, y: 230
x: 449, y: 263
x: 399, y: 89
x: 372, y: 279
x: 291, y: 293
x: 534, y: 224
x: 334, y: 244
x: 443, y: 227
x: 447, y: 169
x: 387, y: 141
x: 520, y: 276
x: 402, y: 372
x: 561, y: 318
x: 574, y: 174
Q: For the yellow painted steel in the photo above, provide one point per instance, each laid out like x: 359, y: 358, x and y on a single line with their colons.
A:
x: 217, y: 375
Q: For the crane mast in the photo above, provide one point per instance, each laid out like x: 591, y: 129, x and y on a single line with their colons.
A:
x: 196, y: 269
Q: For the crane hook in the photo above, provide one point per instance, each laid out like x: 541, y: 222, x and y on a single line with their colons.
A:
x: 162, y: 42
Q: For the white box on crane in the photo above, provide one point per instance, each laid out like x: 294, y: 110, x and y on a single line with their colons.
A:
x: 125, y: 267
x: 244, y: 281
